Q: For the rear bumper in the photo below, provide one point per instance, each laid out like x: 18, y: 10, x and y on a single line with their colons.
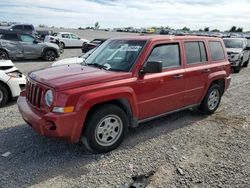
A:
x: 50, y: 124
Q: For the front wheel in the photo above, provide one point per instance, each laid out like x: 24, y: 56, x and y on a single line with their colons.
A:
x: 212, y: 100
x: 105, y: 129
x: 3, y: 55
x: 246, y: 63
x: 236, y: 69
x: 3, y: 95
x: 50, y: 55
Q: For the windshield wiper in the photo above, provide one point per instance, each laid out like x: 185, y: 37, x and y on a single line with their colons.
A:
x: 97, y: 65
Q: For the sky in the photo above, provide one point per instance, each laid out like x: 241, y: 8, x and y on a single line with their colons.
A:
x: 195, y: 14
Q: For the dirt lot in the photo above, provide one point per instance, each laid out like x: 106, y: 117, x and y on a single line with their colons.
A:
x: 185, y: 149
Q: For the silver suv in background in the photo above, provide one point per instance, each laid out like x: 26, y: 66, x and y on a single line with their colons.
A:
x: 15, y: 45
x: 238, y: 51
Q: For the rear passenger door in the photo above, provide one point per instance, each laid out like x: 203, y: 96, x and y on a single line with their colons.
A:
x: 197, y: 71
x: 12, y: 45
x: 163, y: 92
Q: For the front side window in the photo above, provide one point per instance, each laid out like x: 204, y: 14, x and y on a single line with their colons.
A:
x: 28, y: 28
x: 116, y: 55
x: 195, y: 52
x: 217, y: 51
x: 17, y: 27
x: 27, y: 38
x: 74, y: 36
x: 168, y: 54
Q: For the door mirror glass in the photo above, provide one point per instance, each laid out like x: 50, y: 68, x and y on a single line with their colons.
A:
x: 152, y: 67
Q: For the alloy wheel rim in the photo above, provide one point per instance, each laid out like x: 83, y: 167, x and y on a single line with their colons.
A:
x: 3, y: 55
x: 213, y: 99
x: 108, y: 130
x: 50, y: 55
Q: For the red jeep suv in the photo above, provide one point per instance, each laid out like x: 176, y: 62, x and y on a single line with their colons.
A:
x: 124, y: 82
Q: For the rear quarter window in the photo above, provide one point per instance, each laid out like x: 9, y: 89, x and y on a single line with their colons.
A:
x: 217, y: 51
x: 195, y: 52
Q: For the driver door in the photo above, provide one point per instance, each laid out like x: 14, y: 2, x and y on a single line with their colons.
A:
x: 31, y: 49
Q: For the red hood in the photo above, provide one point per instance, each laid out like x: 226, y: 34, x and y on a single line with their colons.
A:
x: 72, y: 76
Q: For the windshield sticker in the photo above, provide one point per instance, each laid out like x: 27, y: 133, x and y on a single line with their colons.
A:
x: 127, y: 48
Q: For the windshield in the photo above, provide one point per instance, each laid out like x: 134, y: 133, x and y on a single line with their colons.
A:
x: 116, y: 55
x: 233, y: 43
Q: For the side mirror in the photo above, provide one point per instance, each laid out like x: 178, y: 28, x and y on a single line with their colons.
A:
x: 151, y: 67
x: 78, y: 38
x: 247, y: 48
x: 35, y: 41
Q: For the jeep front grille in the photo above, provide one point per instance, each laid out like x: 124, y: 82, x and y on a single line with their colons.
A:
x: 34, y: 94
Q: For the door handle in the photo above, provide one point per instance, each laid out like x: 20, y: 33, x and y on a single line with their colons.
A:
x: 178, y: 76
x: 206, y: 70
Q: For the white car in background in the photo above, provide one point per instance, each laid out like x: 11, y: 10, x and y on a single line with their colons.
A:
x: 12, y: 81
x: 66, y: 39
x: 73, y: 60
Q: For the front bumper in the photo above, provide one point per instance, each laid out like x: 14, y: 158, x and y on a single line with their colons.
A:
x: 16, y: 85
x: 235, y: 63
x: 50, y: 124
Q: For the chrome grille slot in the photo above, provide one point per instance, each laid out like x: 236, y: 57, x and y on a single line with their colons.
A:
x: 34, y: 94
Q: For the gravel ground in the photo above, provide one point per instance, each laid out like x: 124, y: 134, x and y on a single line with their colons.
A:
x: 185, y: 149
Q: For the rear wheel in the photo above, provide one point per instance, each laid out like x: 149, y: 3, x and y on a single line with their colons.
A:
x: 3, y: 55
x: 61, y: 46
x: 50, y: 55
x: 236, y: 69
x: 246, y: 63
x: 212, y: 100
x: 3, y: 95
x: 105, y: 129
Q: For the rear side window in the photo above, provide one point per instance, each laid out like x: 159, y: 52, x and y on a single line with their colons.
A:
x: 195, y: 52
x: 65, y: 36
x: 168, y: 54
x: 28, y: 28
x: 217, y: 52
x: 12, y: 37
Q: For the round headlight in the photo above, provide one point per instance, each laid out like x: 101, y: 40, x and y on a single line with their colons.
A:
x: 48, y: 98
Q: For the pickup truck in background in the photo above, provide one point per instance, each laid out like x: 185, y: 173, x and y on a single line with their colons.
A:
x: 125, y: 82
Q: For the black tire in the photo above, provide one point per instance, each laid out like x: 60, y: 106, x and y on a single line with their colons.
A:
x: 4, y: 55
x: 61, y: 46
x: 49, y: 55
x: 246, y: 63
x: 97, y: 121
x: 236, y: 69
x: 4, y: 96
x: 205, y: 107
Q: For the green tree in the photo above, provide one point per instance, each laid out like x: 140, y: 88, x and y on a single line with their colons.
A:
x: 185, y: 29
x: 239, y: 29
x: 215, y: 30
x: 97, y: 25
x: 233, y: 29
x: 206, y: 29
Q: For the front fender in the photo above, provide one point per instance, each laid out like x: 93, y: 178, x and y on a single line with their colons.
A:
x: 87, y: 101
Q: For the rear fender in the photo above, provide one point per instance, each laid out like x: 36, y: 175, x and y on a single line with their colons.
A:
x: 214, y: 76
